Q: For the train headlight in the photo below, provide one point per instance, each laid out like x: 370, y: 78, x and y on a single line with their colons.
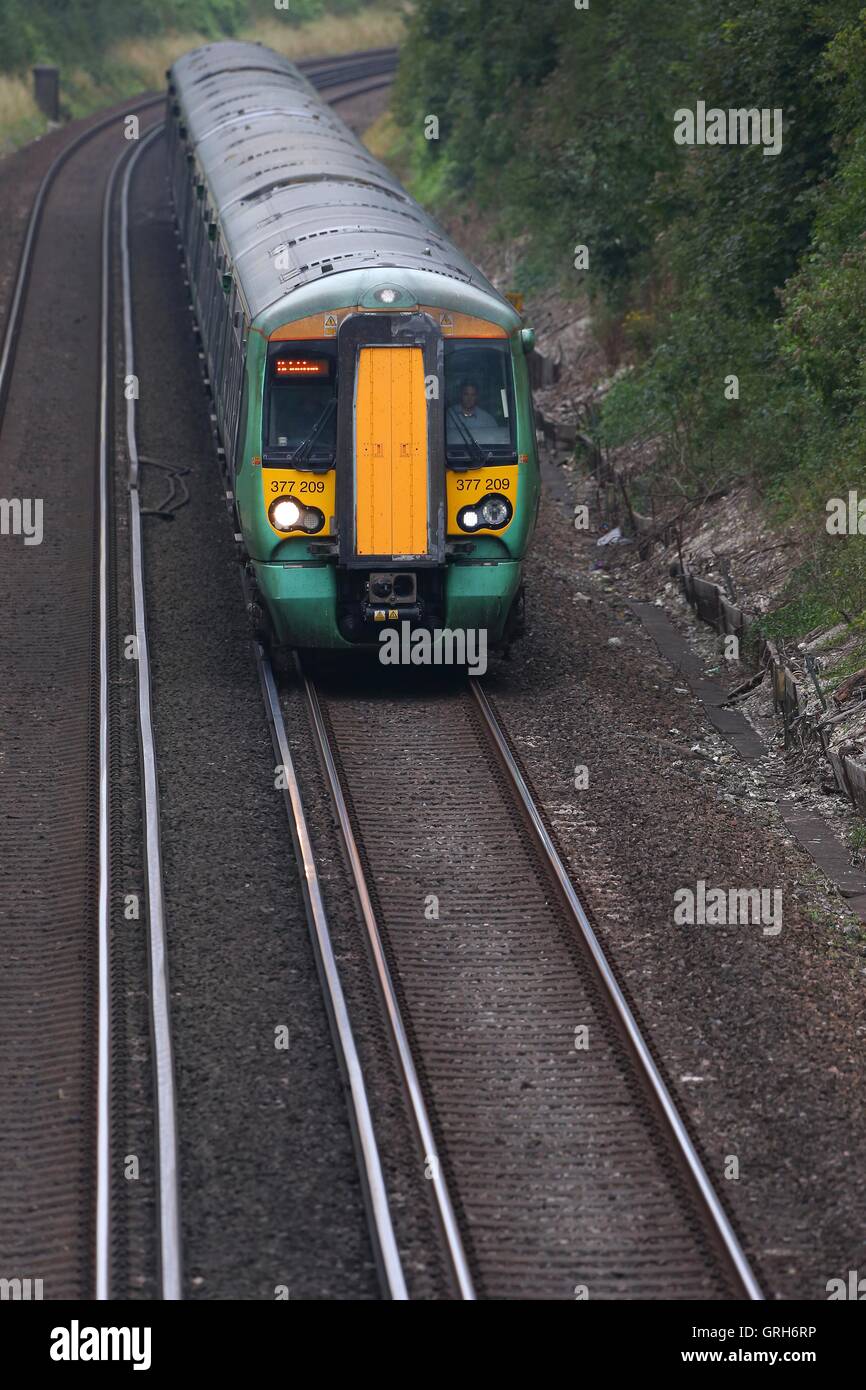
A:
x: 496, y: 511
x: 285, y: 514
x: 468, y: 519
x: 388, y: 296
x: 493, y: 512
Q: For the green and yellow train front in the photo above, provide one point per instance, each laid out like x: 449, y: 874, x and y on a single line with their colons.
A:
x: 386, y: 465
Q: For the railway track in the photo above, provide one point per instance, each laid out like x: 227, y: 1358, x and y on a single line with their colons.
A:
x: 61, y: 872
x: 569, y: 1164
x: 564, y: 1169
x: 333, y: 73
x: 55, y: 838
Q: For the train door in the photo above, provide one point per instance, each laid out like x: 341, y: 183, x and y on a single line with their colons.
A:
x: 390, y: 449
x: 391, y: 473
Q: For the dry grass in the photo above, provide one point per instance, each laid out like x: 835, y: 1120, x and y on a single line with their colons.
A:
x: 381, y: 137
x: 372, y: 28
x: 20, y: 117
x: 82, y: 91
x: 148, y: 59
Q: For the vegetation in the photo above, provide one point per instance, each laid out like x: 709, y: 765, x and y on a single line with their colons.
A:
x: 111, y: 49
x: 82, y: 31
x: 705, y: 261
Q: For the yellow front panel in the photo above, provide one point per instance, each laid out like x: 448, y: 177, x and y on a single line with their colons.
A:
x: 470, y: 486
x: 391, y: 452
x: 312, y: 489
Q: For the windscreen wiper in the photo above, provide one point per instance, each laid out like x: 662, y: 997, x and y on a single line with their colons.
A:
x: 469, y: 437
x: 303, y: 450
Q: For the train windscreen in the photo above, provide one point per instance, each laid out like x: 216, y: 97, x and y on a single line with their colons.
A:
x: 479, y: 401
x: 300, y: 415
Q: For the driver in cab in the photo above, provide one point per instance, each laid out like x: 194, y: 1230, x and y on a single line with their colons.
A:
x: 469, y: 409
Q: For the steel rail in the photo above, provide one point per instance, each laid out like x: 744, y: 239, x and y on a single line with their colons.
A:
x: 358, y: 91
x: 168, y: 1170
x: 356, y: 71
x: 445, y: 1209
x: 374, y: 1182
x: 712, y: 1206
x: 22, y: 277
x: 309, y: 65
x: 103, y: 1073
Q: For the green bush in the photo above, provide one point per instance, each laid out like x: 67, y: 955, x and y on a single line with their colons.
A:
x: 713, y: 261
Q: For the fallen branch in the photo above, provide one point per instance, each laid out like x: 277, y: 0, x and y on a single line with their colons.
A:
x: 746, y: 686
x: 849, y: 686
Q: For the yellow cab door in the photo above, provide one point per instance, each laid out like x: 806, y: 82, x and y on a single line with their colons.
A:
x: 391, y: 474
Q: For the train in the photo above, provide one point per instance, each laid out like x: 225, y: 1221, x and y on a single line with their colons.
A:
x: 370, y: 387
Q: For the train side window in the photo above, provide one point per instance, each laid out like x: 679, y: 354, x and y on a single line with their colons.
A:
x: 231, y: 395
x: 241, y: 431
x: 195, y: 249
x: 220, y: 336
x: 227, y: 361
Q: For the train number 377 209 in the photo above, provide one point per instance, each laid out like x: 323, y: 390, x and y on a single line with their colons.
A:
x: 490, y: 484
x: 293, y: 485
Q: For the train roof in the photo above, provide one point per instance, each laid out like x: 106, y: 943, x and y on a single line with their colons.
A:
x: 298, y: 198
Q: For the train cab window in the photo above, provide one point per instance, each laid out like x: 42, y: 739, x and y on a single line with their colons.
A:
x: 479, y: 402
x: 300, y: 408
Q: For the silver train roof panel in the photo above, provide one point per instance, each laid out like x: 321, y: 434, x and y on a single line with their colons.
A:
x: 233, y: 102
x: 348, y: 220
x: 228, y: 56
x: 234, y: 135
x: 296, y: 195
x: 297, y: 218
x: 262, y: 163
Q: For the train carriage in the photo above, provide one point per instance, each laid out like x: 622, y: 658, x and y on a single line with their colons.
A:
x: 370, y: 385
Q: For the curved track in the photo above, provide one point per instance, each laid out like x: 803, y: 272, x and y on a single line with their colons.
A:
x: 58, y: 872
